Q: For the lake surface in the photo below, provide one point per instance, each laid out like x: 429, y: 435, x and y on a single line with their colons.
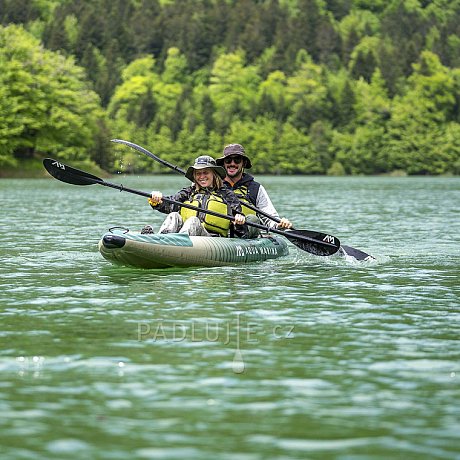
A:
x: 299, y: 358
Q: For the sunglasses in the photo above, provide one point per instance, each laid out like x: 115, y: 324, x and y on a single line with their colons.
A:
x: 237, y: 160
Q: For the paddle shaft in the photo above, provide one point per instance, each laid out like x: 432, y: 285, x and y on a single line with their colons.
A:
x: 182, y: 171
x: 217, y: 214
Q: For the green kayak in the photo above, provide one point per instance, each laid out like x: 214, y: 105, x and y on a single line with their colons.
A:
x: 123, y: 247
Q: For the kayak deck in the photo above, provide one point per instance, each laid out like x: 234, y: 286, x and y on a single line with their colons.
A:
x: 134, y: 249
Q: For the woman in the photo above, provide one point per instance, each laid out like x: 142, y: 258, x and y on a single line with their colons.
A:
x: 207, y: 192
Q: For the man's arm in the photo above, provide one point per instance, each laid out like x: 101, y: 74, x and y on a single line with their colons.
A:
x: 264, y: 203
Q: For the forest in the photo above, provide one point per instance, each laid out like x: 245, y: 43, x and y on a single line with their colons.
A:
x: 338, y: 87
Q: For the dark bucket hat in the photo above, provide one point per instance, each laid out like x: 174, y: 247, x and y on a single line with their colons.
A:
x: 234, y: 149
x: 203, y: 162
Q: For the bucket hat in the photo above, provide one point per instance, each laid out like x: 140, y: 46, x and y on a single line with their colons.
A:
x: 234, y: 149
x: 202, y: 162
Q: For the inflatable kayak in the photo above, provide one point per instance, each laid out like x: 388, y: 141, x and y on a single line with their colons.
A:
x: 123, y: 247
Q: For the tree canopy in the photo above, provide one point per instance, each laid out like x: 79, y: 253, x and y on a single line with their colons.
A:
x: 308, y: 86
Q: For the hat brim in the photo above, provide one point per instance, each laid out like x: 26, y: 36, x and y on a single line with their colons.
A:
x: 219, y: 170
x: 248, y: 165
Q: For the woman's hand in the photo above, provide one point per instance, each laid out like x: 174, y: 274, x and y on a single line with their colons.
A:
x: 285, y: 223
x: 156, y: 198
x: 240, y: 219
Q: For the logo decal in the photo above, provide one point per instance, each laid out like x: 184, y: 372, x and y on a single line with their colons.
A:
x: 329, y: 239
x: 58, y: 165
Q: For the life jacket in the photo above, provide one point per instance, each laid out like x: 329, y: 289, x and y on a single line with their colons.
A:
x: 246, y: 189
x: 212, y: 201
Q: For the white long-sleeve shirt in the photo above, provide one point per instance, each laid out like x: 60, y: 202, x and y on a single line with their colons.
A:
x: 264, y: 203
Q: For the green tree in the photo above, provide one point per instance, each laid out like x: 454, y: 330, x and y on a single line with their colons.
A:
x: 320, y: 136
x: 312, y: 29
x: 295, y: 152
x: 168, y: 92
x: 18, y: 11
x: 233, y: 89
x: 354, y: 27
x: 364, y: 58
x: 275, y: 148
x: 199, y: 109
x: 421, y: 119
x: 145, y: 23
x: 271, y: 96
x: 307, y: 93
x: 372, y: 103
x: 47, y: 105
x: 133, y: 99
x: 259, y: 138
x: 363, y: 151
x: 405, y: 23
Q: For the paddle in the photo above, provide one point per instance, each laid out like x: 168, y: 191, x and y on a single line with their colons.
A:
x: 347, y: 250
x: 309, y: 233
x: 302, y: 239
x: 182, y: 171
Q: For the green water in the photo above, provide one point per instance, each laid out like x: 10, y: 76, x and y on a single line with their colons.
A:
x: 302, y: 357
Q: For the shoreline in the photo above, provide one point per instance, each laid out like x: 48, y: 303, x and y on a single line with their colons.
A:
x: 33, y: 169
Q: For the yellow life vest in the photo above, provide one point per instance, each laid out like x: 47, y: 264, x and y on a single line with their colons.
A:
x: 212, y: 202
x: 243, y: 193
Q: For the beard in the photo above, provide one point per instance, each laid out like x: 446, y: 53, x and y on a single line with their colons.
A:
x: 234, y: 172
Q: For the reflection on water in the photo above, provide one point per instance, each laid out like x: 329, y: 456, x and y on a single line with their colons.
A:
x: 301, y: 357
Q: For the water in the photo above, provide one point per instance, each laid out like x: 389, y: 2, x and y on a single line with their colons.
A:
x: 302, y: 357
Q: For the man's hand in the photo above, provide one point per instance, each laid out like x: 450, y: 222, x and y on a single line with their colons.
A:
x: 285, y: 223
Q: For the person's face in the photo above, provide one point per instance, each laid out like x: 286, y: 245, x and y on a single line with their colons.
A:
x: 234, y: 165
x: 203, y: 177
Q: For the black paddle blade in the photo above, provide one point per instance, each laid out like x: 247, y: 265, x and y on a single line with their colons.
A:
x: 356, y: 253
x: 70, y: 175
x: 325, y: 245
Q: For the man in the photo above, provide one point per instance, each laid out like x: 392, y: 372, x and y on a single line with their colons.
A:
x: 235, y: 161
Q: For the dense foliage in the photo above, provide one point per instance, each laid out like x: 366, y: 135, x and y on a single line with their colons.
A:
x: 308, y: 86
